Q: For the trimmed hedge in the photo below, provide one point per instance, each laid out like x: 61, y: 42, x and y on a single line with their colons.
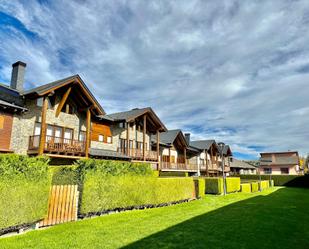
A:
x: 24, y: 188
x: 232, y: 184
x: 65, y: 175
x: 282, y: 180
x: 102, y: 192
x: 254, y: 187
x: 199, y: 187
x: 264, y: 185
x: 214, y: 185
x: 245, y: 187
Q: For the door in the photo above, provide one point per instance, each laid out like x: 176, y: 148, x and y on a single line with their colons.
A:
x: 58, y: 134
x: 68, y: 135
x: 37, y: 133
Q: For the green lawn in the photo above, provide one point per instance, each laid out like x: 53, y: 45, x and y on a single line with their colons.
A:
x: 275, y: 218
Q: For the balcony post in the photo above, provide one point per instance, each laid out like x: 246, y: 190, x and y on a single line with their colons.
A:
x: 144, y: 137
x: 169, y: 157
x: 206, y: 155
x: 43, y: 126
x: 158, y: 149
x: 88, y: 127
x: 185, y: 156
x: 128, y: 139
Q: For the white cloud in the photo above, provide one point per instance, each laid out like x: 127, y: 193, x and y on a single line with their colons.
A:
x: 236, y: 71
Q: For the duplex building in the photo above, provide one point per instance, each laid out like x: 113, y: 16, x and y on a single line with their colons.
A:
x: 280, y: 163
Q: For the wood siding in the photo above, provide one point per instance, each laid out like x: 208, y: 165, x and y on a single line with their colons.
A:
x: 6, y: 121
x: 100, y: 129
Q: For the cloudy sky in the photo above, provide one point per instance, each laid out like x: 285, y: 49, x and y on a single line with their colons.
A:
x: 236, y: 71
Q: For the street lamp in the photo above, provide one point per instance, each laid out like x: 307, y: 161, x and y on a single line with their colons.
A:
x: 221, y: 145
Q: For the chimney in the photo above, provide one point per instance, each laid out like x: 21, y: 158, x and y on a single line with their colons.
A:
x: 18, y: 74
x: 187, y: 136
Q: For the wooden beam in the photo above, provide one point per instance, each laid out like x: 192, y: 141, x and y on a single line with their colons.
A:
x: 43, y: 126
x: 62, y: 101
x: 206, y: 155
x: 185, y: 155
x: 158, y: 148
x: 88, y: 128
x: 144, y: 137
x: 128, y: 139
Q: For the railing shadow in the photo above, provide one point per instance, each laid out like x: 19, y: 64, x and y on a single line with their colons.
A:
x: 278, y: 220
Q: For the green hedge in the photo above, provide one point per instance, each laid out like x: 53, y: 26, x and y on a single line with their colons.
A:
x: 282, y: 180
x: 102, y: 192
x: 199, y: 187
x: 264, y: 185
x: 232, y: 184
x: 245, y: 187
x: 173, y: 174
x: 254, y: 187
x: 64, y: 175
x: 24, y: 189
x: 214, y: 185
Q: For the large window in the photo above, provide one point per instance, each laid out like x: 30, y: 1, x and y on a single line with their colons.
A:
x: 284, y: 171
x: 267, y: 171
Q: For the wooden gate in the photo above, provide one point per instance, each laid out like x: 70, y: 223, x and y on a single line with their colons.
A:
x: 62, y: 205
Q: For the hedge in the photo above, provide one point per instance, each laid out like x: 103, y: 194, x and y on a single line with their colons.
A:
x: 214, y: 185
x: 102, y: 193
x: 254, y: 187
x: 173, y: 174
x: 264, y: 185
x: 245, y: 187
x: 24, y: 188
x: 199, y: 187
x: 232, y: 184
x: 282, y: 180
x: 64, y: 175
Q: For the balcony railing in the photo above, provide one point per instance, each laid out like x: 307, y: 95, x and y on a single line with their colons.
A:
x: 137, y: 154
x: 58, y: 145
x: 178, y: 166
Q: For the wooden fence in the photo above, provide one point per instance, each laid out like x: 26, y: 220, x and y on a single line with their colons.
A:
x: 62, y: 205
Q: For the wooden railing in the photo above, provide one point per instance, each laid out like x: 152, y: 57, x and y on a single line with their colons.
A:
x: 137, y: 154
x: 57, y: 144
x: 178, y: 166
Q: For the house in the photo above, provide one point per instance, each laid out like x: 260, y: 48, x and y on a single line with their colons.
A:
x: 175, y: 153
x: 208, y: 158
x: 279, y: 163
x: 239, y: 167
x: 64, y: 120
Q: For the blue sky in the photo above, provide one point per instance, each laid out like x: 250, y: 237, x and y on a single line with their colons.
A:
x: 235, y: 71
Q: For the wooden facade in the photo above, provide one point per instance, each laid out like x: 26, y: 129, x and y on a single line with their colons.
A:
x: 6, y: 122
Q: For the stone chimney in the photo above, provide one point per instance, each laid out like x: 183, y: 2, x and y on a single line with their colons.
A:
x: 187, y: 136
x: 18, y: 75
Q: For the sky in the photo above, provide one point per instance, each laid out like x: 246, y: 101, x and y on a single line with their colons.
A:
x: 234, y: 71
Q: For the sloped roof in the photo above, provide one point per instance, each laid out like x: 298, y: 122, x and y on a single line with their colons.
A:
x: 107, y: 154
x: 226, y: 150
x: 130, y: 115
x: 44, y: 89
x: 6, y: 104
x: 235, y: 163
x: 203, y: 144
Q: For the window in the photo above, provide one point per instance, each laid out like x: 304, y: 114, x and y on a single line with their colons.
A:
x: 109, y: 140
x: 39, y: 102
x: 82, y: 136
x: 122, y: 125
x: 1, y: 122
x: 68, y: 108
x: 284, y: 171
x: 267, y: 170
x: 101, y: 138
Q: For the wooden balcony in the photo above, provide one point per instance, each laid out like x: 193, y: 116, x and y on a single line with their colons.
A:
x: 167, y: 166
x: 137, y: 154
x: 58, y: 146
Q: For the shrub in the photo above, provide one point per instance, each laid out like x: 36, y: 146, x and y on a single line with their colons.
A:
x: 254, y: 187
x: 101, y: 192
x: 64, y: 175
x: 199, y: 187
x: 213, y: 185
x: 245, y: 187
x: 264, y: 185
x: 112, y: 168
x: 232, y: 184
x: 281, y: 180
x: 24, y: 189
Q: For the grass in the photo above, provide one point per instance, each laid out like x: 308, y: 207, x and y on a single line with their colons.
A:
x: 275, y: 218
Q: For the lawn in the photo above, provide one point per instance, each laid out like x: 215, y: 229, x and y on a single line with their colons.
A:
x: 275, y: 218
